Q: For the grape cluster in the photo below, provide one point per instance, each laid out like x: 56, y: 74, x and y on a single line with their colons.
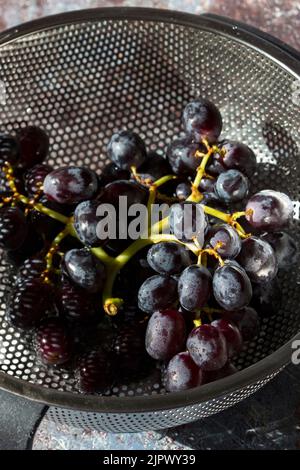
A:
x: 188, y: 299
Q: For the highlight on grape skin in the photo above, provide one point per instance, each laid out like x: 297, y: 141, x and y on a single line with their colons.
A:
x: 184, y: 296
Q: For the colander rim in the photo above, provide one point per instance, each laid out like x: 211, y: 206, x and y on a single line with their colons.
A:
x: 272, y: 363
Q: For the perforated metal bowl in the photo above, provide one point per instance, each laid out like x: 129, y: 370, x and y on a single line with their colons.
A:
x: 81, y: 76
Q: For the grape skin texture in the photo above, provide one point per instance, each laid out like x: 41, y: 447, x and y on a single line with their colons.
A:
x: 85, y: 269
x: 232, y: 186
x: 238, y: 156
x: 194, y: 287
x: 168, y: 258
x: 232, y: 287
x: 269, y: 210
x: 70, y: 185
x: 207, y: 347
x: 33, y: 146
x: 182, y: 373
x: 157, y: 292
x: 54, y: 343
x: 187, y: 220
x: 258, y: 259
x: 126, y: 149
x: 165, y: 334
x: 231, y: 334
x: 228, y: 236
x: 202, y: 119
x: 181, y: 156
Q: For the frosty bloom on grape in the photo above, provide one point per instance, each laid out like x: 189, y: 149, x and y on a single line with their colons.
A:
x: 131, y: 221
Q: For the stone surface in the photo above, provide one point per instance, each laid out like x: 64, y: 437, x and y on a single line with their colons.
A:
x: 270, y: 419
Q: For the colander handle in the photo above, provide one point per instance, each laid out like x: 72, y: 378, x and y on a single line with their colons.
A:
x: 239, y: 27
x: 19, y: 419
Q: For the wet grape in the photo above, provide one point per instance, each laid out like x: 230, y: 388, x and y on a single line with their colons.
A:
x: 258, y: 259
x: 168, y: 258
x: 207, y: 347
x: 269, y: 210
x: 202, y: 119
x: 182, y: 373
x: 126, y: 149
x: 157, y: 292
x: 165, y: 334
x: 231, y: 286
x: 232, y: 186
x: 194, y: 287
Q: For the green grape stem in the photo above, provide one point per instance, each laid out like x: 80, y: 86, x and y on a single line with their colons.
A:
x: 154, y: 233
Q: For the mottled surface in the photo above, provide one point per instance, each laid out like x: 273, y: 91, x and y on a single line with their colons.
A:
x: 271, y: 418
x: 278, y: 17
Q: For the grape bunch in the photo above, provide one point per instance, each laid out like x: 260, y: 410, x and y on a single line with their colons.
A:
x: 186, y: 295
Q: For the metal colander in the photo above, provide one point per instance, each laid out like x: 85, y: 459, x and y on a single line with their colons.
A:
x: 83, y: 75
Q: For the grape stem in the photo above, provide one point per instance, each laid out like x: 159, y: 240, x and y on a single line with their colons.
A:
x: 154, y: 233
x: 51, y: 252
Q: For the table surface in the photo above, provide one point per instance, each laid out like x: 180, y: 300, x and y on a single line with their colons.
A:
x: 271, y: 418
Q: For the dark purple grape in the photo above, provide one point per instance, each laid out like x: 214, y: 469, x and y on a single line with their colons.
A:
x: 168, y: 257
x: 194, y: 287
x: 28, y: 303
x: 32, y: 268
x: 154, y: 167
x: 33, y: 144
x: 215, y: 166
x: 53, y: 342
x: 232, y: 186
x: 258, y: 259
x: 182, y: 373
x: 134, y: 193
x: 157, y: 292
x: 165, y: 335
x: 228, y: 236
x: 9, y: 149
x: 202, y: 120
x: 207, y: 185
x: 112, y: 173
x: 187, y: 221
x: 238, y: 156
x: 285, y: 248
x: 246, y: 320
x: 269, y: 210
x: 42, y: 223
x: 75, y: 304
x: 13, y: 228
x: 126, y: 149
x: 213, y: 375
x: 94, y: 371
x: 86, y: 221
x: 183, y: 191
x: 232, y: 287
x: 181, y: 155
x: 70, y: 184
x: 88, y: 224
x: 207, y: 347
x: 34, y: 178
x: 129, y: 349
x: 85, y: 269
x: 32, y: 244
x: 232, y: 335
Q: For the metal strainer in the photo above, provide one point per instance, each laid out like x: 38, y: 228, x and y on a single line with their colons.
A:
x: 81, y: 76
